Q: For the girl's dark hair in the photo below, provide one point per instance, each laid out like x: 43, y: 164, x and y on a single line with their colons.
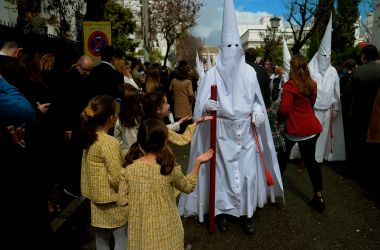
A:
x: 183, y: 72
x: 151, y: 103
x: 299, y: 73
x: 130, y: 107
x: 98, y: 110
x: 152, y: 137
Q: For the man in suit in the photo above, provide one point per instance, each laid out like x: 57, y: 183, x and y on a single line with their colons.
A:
x: 104, y: 78
x: 362, y: 88
x: 76, y: 92
x: 261, y: 73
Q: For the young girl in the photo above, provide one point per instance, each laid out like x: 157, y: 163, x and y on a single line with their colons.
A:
x: 101, y: 167
x: 301, y: 124
x: 155, y: 105
x: 129, y: 118
x: 147, y: 187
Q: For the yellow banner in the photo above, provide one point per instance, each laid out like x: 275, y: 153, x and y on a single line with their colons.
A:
x: 96, y: 35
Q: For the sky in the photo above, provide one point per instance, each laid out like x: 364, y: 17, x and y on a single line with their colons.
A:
x: 247, y: 11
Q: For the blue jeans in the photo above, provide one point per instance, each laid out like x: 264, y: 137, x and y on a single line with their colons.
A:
x: 103, y: 236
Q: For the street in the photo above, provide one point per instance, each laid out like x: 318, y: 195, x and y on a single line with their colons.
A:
x: 351, y: 219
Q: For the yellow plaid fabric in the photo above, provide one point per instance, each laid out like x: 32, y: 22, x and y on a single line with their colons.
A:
x: 181, y: 139
x: 154, y: 221
x: 100, y: 177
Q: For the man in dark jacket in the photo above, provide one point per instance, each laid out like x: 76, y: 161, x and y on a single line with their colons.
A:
x: 76, y: 92
x: 362, y: 88
x: 104, y: 78
x: 261, y: 73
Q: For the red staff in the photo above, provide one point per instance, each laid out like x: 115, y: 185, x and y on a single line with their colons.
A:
x: 211, y: 225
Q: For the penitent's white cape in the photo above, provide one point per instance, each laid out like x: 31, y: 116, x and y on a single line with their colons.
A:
x: 240, y: 178
x: 330, y: 145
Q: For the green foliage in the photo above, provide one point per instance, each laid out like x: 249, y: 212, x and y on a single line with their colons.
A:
x: 122, y: 25
x: 350, y: 52
x: 343, y: 36
x: 155, y: 56
x: 314, y: 43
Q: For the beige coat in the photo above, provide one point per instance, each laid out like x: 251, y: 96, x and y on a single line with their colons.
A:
x: 100, y: 177
x: 183, y: 97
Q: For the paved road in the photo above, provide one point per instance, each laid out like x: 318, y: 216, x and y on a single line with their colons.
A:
x: 351, y: 219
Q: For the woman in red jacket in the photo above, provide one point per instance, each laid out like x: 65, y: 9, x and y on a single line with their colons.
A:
x: 301, y: 125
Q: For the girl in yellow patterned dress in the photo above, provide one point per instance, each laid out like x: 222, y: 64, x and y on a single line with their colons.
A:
x: 148, y: 185
x: 100, y: 174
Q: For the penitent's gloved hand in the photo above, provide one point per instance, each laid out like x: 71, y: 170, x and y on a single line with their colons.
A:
x: 258, y: 116
x: 210, y: 105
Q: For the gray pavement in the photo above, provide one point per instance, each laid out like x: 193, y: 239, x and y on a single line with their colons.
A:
x: 351, y: 219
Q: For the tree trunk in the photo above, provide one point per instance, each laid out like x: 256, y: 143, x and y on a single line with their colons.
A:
x: 95, y: 10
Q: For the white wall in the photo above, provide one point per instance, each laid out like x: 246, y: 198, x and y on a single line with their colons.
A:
x: 376, y: 27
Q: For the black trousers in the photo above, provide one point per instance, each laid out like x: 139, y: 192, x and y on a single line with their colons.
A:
x: 307, y: 150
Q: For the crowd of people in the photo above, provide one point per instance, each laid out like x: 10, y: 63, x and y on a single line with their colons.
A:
x: 104, y: 131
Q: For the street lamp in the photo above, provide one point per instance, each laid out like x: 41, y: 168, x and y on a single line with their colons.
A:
x: 274, y: 24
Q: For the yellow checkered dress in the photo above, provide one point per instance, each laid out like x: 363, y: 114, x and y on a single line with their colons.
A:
x: 182, y: 139
x: 154, y: 221
x: 100, y: 177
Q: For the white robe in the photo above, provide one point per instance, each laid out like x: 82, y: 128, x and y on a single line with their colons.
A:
x: 240, y: 178
x: 330, y: 144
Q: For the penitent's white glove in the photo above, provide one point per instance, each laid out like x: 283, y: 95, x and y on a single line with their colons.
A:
x: 210, y: 105
x: 258, y: 116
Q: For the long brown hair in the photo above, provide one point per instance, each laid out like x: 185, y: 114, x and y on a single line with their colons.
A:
x: 152, y: 137
x: 131, y: 107
x: 152, y: 79
x: 98, y: 110
x: 300, y: 75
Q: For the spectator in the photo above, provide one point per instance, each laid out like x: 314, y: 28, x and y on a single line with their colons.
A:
x: 100, y: 174
x: 147, y: 188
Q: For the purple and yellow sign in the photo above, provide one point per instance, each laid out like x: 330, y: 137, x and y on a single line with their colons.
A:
x: 96, y: 35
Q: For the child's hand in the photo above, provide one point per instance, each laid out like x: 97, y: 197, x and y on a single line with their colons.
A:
x: 206, y: 156
x: 203, y: 119
x: 184, y: 119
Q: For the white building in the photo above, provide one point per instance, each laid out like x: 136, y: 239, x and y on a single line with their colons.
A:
x: 376, y: 27
x: 253, y: 35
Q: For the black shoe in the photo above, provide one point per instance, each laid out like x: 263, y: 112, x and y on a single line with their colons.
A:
x: 248, y: 226
x: 222, y: 223
x: 318, y: 203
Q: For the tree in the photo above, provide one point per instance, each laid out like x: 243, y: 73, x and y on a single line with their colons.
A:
x: 122, y: 25
x: 64, y: 10
x: 155, y: 56
x: 187, y: 47
x: 306, y: 18
x: 95, y: 10
x: 344, y: 27
x: 171, y: 18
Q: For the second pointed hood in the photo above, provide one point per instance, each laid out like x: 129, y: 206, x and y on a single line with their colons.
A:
x: 322, y: 59
x: 286, y: 59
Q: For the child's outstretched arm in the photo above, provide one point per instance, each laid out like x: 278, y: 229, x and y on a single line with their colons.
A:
x: 185, y: 138
x: 187, y: 183
x: 205, y: 157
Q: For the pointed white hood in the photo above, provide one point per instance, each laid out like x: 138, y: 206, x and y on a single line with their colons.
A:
x: 285, y: 59
x: 199, y: 66
x: 322, y: 59
x: 209, y: 65
x: 231, y: 53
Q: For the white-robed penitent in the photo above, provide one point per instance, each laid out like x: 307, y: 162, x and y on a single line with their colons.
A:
x: 240, y: 178
x: 285, y: 60
x: 330, y: 144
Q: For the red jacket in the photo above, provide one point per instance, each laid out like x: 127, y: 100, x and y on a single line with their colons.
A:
x: 297, y: 110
